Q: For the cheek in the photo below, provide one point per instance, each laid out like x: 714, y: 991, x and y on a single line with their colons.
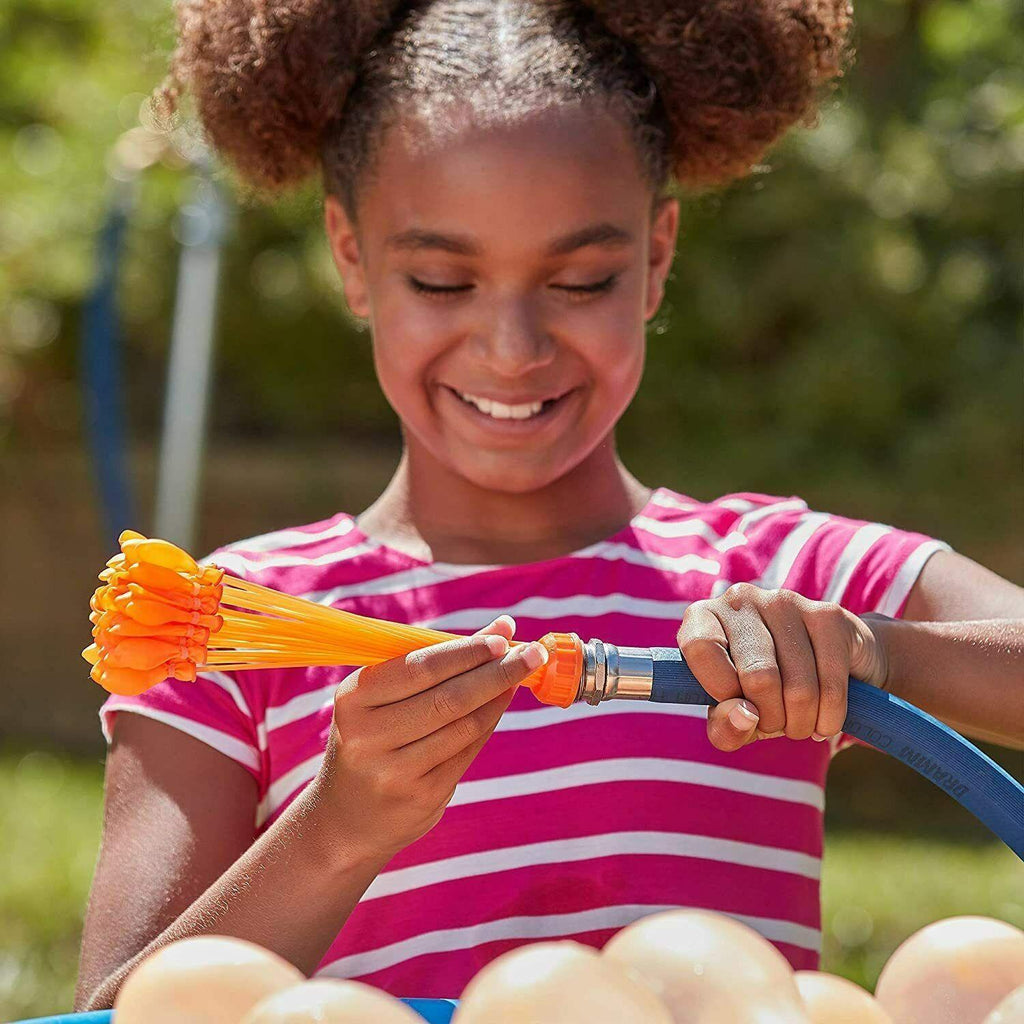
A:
x: 610, y: 336
x: 406, y: 339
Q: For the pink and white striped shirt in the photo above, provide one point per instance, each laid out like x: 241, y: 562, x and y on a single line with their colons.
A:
x: 570, y: 823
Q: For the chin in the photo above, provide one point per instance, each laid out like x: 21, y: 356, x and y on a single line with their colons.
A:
x: 510, y: 474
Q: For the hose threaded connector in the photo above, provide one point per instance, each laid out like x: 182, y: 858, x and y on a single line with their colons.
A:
x: 558, y: 681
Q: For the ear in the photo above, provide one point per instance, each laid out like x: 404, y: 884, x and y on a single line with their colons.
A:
x: 344, y: 243
x: 664, y: 228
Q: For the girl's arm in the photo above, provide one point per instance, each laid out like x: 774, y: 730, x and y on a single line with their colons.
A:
x: 178, y: 859
x: 967, y: 672
x: 779, y: 663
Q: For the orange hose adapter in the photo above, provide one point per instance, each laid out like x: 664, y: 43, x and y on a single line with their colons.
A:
x: 558, y: 681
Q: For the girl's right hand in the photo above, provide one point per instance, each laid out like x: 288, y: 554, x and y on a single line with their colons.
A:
x: 405, y: 731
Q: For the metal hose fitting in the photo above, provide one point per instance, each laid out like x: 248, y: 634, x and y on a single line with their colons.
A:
x: 615, y: 673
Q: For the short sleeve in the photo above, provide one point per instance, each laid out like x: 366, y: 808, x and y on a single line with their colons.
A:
x: 215, y: 709
x: 864, y: 566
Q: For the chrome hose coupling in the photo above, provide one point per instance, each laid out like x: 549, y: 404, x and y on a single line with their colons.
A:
x: 615, y: 673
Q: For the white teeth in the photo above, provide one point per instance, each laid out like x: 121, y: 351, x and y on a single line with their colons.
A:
x: 499, y: 411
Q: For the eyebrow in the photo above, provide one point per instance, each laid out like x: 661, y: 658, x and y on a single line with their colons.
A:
x: 416, y: 240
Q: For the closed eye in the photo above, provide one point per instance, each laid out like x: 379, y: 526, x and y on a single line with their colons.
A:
x: 438, y: 289
x: 459, y: 289
x: 589, y: 289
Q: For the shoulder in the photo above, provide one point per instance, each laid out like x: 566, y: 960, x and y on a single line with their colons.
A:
x: 779, y: 541
x: 731, y: 512
x: 290, y: 546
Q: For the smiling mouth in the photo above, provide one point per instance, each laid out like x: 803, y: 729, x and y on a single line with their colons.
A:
x: 501, y: 411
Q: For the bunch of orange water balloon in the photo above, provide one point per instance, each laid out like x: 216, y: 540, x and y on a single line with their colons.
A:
x: 160, y: 615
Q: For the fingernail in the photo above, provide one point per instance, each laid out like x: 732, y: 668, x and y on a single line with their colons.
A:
x: 497, y: 645
x: 533, y: 655
x: 743, y: 717
x: 818, y: 738
x: 506, y: 618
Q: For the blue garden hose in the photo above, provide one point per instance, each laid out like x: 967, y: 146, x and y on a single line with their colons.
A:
x: 895, y: 727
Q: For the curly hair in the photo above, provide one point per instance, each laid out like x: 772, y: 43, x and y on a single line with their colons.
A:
x: 286, y: 87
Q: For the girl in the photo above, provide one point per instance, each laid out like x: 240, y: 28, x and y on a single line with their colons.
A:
x: 495, y: 175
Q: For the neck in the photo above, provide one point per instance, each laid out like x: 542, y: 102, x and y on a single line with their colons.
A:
x: 430, y: 512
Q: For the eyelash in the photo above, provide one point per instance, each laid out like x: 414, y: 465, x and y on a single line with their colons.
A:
x: 598, y: 288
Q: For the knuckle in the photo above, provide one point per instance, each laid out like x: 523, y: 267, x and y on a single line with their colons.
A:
x: 692, y: 610
x: 510, y: 672
x: 700, y: 651
x: 442, y: 703
x: 740, y: 594
x: 801, y: 695
x: 828, y: 613
x: 760, y: 677
x: 417, y: 667
x: 467, y: 730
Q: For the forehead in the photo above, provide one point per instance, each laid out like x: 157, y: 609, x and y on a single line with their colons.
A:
x: 510, y: 186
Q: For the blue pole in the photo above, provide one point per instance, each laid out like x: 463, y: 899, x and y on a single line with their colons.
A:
x: 101, y: 372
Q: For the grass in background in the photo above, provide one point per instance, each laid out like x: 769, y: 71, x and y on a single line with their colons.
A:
x: 877, y: 889
x: 50, y: 817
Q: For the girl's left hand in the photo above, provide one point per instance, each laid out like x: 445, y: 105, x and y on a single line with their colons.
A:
x: 778, y: 663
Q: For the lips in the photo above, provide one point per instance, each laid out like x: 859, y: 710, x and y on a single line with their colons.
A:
x: 506, y: 417
x: 508, y: 408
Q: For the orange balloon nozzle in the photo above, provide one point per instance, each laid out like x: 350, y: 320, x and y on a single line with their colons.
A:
x: 558, y: 681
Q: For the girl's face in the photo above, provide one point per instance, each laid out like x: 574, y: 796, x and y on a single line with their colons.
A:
x: 507, y: 274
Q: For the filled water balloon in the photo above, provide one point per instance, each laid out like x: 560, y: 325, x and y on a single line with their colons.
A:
x: 709, y: 969
x: 954, y: 971
x: 331, y: 1002
x: 558, y: 983
x: 833, y: 1000
x: 207, y: 979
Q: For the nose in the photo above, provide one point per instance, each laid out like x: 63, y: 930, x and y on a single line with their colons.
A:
x: 514, y: 341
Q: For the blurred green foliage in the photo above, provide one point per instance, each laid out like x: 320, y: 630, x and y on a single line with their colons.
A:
x: 50, y: 816
x: 844, y: 327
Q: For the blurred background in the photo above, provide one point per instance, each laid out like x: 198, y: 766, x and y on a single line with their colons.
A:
x: 843, y: 325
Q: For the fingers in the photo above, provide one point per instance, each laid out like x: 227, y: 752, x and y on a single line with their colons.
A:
x: 450, y: 702
x: 780, y: 656
x: 797, y: 665
x: 399, y: 678
x: 825, y: 627
x: 705, y: 648
x: 503, y: 625
x: 732, y: 724
x: 451, y: 749
x: 753, y: 653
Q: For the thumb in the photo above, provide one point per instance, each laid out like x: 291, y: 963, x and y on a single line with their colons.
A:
x: 732, y: 724
x: 503, y: 625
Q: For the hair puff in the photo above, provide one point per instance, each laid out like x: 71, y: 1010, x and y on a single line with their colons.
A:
x: 733, y: 75
x: 267, y: 76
